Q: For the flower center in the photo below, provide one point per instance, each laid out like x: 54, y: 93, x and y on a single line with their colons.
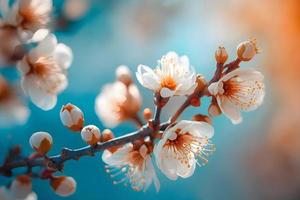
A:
x: 31, y: 18
x: 231, y: 87
x: 44, y: 67
x: 168, y: 82
x: 136, y: 159
x: 187, y: 148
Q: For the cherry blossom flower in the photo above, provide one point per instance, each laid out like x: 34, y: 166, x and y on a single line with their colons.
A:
x: 27, y: 16
x: 117, y: 103
x: 182, y: 147
x: 12, y: 110
x: 173, y: 76
x: 131, y: 165
x: 43, y: 71
x: 241, y: 89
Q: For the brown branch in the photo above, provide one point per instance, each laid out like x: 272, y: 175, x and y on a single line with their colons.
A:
x: 55, y: 163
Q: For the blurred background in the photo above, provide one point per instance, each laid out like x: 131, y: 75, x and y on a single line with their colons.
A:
x: 257, y: 159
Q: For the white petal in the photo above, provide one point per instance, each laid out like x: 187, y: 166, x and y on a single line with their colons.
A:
x: 45, y: 48
x: 229, y: 110
x: 184, y: 171
x: 23, y: 66
x: 63, y: 56
x: 38, y: 96
x: 213, y: 88
x: 40, y: 35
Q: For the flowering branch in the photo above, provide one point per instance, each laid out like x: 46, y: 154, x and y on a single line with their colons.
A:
x: 178, y: 146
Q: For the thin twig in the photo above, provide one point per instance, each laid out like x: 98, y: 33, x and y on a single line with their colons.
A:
x: 55, y: 163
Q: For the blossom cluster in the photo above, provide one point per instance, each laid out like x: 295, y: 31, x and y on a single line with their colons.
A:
x: 177, y: 146
x: 42, y: 62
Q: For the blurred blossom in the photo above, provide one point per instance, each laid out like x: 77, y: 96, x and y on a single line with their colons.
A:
x: 12, y: 110
x: 276, y: 174
x: 43, y: 71
x: 145, y: 20
x: 75, y: 9
x: 134, y: 163
x: 27, y: 16
x: 117, y: 103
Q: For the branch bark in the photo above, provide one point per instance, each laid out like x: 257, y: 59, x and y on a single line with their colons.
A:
x: 55, y: 163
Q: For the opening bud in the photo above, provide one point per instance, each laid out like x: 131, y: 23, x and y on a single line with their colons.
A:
x: 72, y: 117
x: 91, y: 134
x: 247, y: 50
x: 123, y: 75
x: 63, y: 186
x: 41, y: 142
x: 21, y: 187
x: 221, y: 55
x: 107, y: 135
x: 201, y: 82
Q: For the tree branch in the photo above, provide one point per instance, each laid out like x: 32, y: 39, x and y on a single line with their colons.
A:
x: 55, y: 163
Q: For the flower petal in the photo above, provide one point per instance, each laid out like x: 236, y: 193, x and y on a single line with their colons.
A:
x: 229, y: 110
x: 63, y: 56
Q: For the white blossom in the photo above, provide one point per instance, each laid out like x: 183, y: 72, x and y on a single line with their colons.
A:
x: 173, y: 76
x: 117, y: 102
x: 241, y: 89
x: 43, y: 71
x: 27, y: 16
x: 132, y: 166
x: 182, y: 147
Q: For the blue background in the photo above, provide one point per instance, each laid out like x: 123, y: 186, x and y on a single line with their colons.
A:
x: 115, y: 33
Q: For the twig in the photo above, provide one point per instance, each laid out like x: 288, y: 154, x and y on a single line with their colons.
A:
x: 55, y: 163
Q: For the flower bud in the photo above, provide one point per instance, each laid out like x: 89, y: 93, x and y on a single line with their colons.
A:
x: 41, y: 142
x: 91, y: 134
x: 201, y: 82
x: 214, y: 110
x: 63, y: 185
x: 107, y: 135
x: 221, y: 55
x: 247, y: 50
x: 147, y: 114
x: 123, y: 75
x: 201, y: 118
x: 21, y: 187
x: 72, y: 117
